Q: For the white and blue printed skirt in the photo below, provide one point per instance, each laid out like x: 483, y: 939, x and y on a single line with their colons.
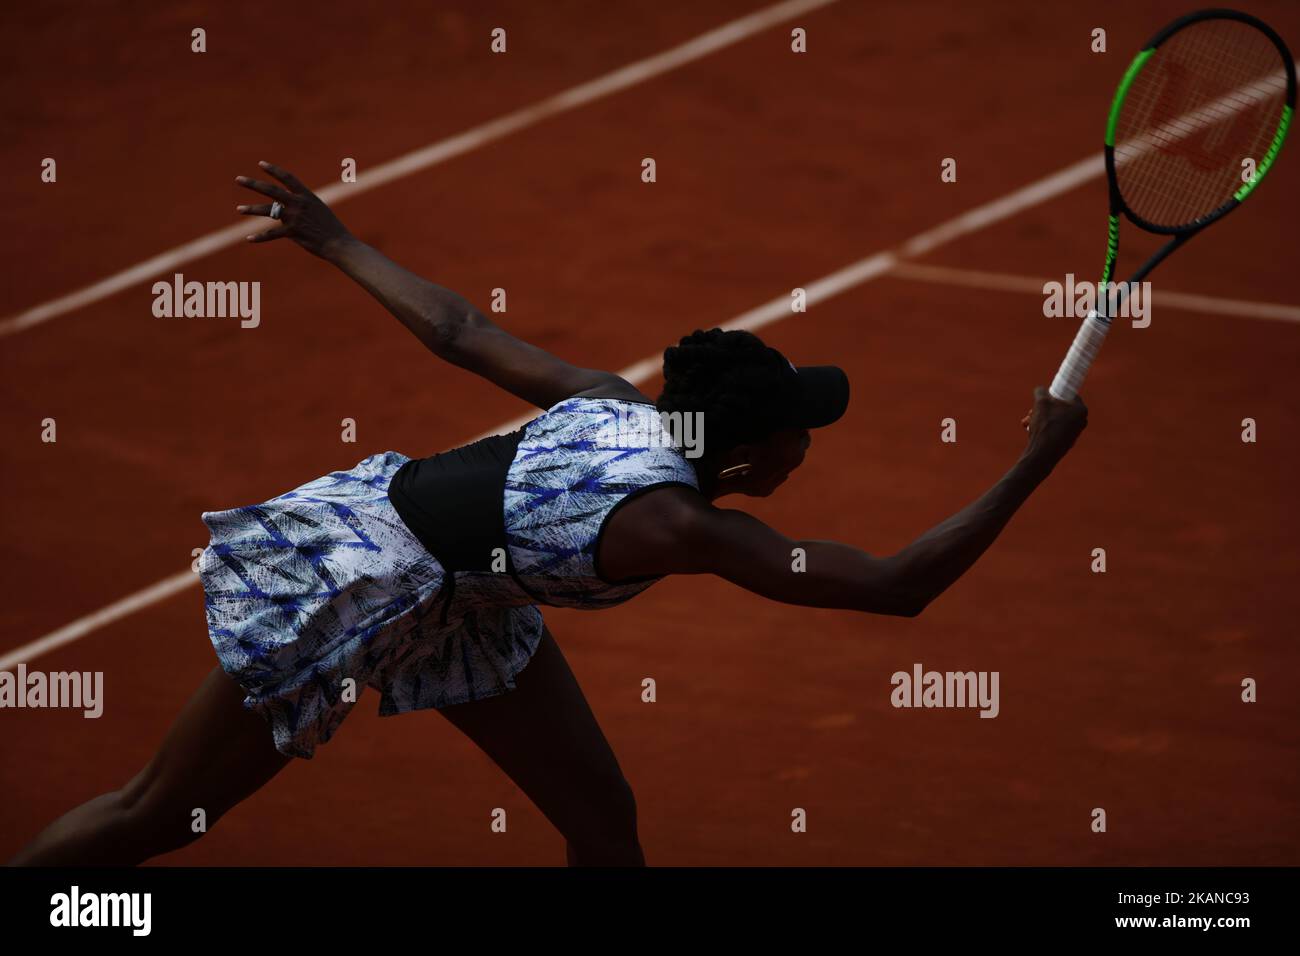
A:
x: 315, y: 595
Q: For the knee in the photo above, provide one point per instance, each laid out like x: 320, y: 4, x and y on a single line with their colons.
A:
x: 606, y: 833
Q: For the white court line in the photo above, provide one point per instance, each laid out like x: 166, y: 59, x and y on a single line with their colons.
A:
x: 1085, y: 170
x: 104, y: 616
x: 1002, y: 282
x: 1031, y: 195
x: 432, y: 155
x: 1248, y: 94
x: 864, y: 270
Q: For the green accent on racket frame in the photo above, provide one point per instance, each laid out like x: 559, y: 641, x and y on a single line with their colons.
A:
x: 1112, y: 247
x: 1271, y: 155
x: 1112, y: 121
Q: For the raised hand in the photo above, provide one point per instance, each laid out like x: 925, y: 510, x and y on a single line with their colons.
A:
x: 303, y: 217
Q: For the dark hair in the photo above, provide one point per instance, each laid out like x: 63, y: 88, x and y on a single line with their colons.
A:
x: 733, y: 378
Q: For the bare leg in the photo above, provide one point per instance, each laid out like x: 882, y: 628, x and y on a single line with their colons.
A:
x: 215, y: 754
x: 545, y: 737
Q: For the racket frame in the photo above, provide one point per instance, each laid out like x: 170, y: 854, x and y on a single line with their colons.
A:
x: 1097, y: 323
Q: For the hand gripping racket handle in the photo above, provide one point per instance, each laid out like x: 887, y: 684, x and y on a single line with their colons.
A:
x: 1079, y: 359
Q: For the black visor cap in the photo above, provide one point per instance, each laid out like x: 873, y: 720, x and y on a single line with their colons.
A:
x: 820, y: 396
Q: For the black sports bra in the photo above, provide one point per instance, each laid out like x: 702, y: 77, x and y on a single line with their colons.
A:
x: 452, y: 501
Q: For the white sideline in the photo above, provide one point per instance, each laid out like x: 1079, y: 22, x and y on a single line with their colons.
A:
x: 1002, y: 282
x: 93, y: 622
x: 427, y: 156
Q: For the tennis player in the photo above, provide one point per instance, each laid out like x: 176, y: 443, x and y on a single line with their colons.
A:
x: 421, y: 578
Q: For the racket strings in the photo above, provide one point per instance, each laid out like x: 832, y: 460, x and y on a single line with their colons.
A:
x: 1209, y: 98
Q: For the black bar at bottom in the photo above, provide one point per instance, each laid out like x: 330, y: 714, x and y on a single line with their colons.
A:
x: 330, y: 906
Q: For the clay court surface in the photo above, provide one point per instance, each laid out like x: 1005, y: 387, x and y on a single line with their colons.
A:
x: 1118, y: 690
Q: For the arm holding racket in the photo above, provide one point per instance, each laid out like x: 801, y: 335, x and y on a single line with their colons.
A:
x: 677, y: 531
x: 936, y: 559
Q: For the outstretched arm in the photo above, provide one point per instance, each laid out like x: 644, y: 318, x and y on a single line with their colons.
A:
x: 447, y: 324
x: 455, y: 331
x: 690, y: 536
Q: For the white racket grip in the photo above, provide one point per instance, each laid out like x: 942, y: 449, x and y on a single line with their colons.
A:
x: 1069, y: 377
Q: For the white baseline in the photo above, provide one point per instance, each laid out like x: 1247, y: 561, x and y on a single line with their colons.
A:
x: 427, y: 156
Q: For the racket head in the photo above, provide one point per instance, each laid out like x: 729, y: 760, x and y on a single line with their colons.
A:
x: 1207, y: 92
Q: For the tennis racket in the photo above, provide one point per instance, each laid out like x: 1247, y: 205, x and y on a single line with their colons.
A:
x: 1209, y: 91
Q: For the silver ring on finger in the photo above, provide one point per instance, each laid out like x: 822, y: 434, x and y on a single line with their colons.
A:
x: 276, y: 210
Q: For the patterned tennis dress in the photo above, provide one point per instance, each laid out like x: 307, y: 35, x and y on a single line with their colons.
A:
x: 420, y: 578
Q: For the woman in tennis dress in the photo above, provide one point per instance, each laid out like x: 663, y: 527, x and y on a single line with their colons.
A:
x: 421, y: 578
